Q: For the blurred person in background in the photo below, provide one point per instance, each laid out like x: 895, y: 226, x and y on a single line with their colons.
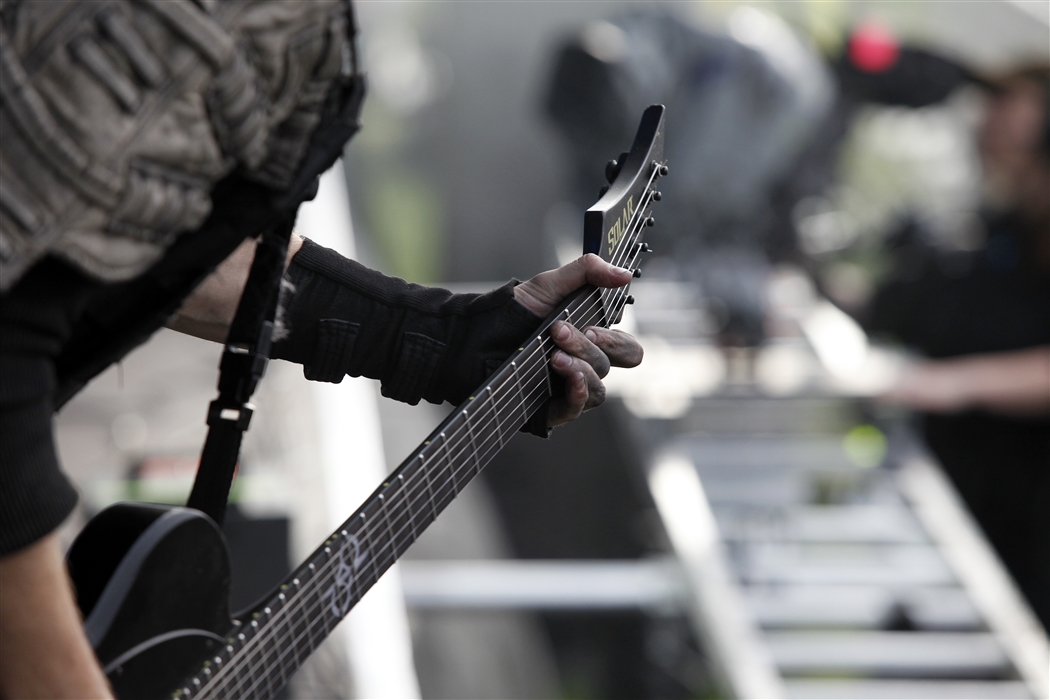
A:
x: 983, y: 321
x: 753, y: 139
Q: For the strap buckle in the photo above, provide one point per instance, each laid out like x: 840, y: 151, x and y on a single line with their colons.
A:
x: 238, y: 416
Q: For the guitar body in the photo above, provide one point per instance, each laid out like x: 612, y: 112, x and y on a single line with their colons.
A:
x: 153, y: 585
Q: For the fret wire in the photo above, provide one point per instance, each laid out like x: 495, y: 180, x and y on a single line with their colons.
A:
x: 430, y: 487
x: 375, y: 574
x: 391, y: 517
x: 447, y: 449
x: 448, y: 463
x: 411, y: 518
x: 386, y: 521
x: 417, y: 485
x: 521, y: 399
x: 495, y: 412
x: 398, y: 525
x: 470, y: 438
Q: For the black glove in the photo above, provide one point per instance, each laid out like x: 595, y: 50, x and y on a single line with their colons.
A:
x: 342, y: 318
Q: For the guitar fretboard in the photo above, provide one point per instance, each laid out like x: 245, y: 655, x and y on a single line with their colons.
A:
x: 265, y: 650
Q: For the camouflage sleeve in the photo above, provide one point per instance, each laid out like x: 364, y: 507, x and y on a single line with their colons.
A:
x: 118, y: 118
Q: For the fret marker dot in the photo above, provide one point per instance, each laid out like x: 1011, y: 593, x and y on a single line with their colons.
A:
x: 327, y: 550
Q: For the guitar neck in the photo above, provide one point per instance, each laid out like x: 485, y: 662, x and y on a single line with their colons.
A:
x: 264, y: 650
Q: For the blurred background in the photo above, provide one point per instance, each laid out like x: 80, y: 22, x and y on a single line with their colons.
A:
x: 831, y: 475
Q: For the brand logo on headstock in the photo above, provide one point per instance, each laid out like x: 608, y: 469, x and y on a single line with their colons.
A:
x: 619, y: 229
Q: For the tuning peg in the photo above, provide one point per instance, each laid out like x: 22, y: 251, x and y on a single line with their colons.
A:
x: 644, y: 248
x: 637, y: 272
x: 629, y: 299
x: 613, y: 167
x: 602, y: 191
x: 650, y: 221
x: 657, y: 196
x: 663, y: 171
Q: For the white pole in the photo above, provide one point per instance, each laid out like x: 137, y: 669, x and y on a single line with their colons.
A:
x: 379, y: 645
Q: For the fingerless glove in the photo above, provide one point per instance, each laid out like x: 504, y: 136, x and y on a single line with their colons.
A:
x: 419, y: 342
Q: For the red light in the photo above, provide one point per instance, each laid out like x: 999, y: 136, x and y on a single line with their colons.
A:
x: 872, y: 48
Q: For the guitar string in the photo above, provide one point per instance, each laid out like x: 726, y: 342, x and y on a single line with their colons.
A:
x: 405, y: 491
x: 391, y: 546
x: 593, y: 312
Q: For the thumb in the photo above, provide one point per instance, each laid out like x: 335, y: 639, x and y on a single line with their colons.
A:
x: 543, y: 292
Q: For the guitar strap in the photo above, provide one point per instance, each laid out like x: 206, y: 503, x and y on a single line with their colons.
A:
x: 243, y: 364
x: 248, y: 344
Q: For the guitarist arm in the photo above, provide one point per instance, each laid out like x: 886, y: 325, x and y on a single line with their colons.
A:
x: 388, y: 329
x: 43, y: 650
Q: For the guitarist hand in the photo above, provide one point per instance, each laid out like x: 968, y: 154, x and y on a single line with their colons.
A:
x: 585, y: 355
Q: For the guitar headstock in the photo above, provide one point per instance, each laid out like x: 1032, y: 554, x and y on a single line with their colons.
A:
x: 613, y: 227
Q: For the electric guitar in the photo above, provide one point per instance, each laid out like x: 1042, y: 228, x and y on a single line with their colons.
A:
x: 153, y: 581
